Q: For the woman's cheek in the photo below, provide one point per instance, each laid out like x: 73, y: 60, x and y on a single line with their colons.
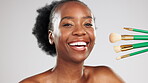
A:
x: 92, y: 34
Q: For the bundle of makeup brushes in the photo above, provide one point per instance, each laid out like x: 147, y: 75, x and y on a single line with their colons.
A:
x: 116, y: 37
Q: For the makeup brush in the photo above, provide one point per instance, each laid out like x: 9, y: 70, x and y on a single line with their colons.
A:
x: 132, y: 54
x: 130, y: 46
x: 114, y: 37
x: 136, y: 30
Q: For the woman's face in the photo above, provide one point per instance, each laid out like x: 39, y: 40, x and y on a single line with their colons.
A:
x: 73, y: 31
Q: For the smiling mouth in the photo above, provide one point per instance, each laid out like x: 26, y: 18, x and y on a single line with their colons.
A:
x: 79, y: 46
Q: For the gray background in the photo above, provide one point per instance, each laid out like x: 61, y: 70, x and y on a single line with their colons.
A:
x: 20, y: 56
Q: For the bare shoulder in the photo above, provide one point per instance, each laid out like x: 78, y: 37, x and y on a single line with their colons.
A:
x: 28, y: 81
x: 32, y: 79
x: 104, y: 74
x: 39, y: 78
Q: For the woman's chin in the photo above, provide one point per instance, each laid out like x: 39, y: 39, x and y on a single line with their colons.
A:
x: 78, y: 58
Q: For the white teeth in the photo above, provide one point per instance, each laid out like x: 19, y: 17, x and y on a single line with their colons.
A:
x: 78, y: 43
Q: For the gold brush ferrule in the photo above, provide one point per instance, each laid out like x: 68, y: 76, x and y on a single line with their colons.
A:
x: 126, y: 47
x: 130, y: 29
x: 127, y: 37
x: 124, y: 56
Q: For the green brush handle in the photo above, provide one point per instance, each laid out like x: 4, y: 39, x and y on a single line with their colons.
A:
x: 138, y: 52
x: 139, y: 30
x: 140, y: 37
x: 138, y: 45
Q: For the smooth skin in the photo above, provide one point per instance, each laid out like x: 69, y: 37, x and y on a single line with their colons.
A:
x: 75, y: 23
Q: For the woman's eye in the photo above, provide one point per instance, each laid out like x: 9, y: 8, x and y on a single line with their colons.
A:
x: 67, y: 25
x: 88, y: 25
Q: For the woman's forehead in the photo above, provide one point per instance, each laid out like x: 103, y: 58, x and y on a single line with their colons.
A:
x: 73, y: 9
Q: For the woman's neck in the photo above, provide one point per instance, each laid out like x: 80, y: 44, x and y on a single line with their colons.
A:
x: 69, y: 71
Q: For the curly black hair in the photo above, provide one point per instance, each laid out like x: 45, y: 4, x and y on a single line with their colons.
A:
x: 43, y: 24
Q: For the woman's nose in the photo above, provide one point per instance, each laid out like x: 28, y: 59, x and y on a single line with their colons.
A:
x: 79, y: 31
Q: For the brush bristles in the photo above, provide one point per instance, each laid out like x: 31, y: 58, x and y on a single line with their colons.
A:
x: 118, y: 58
x: 114, y: 37
x: 130, y: 29
x: 121, y: 57
x: 117, y: 49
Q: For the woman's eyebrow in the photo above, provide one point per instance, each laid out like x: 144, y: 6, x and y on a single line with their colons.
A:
x: 70, y: 17
x: 67, y: 17
x: 86, y: 17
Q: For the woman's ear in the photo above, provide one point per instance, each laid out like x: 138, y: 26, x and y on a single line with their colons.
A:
x: 50, y: 37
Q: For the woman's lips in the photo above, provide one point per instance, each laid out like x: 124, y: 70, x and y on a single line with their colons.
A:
x: 78, y: 46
